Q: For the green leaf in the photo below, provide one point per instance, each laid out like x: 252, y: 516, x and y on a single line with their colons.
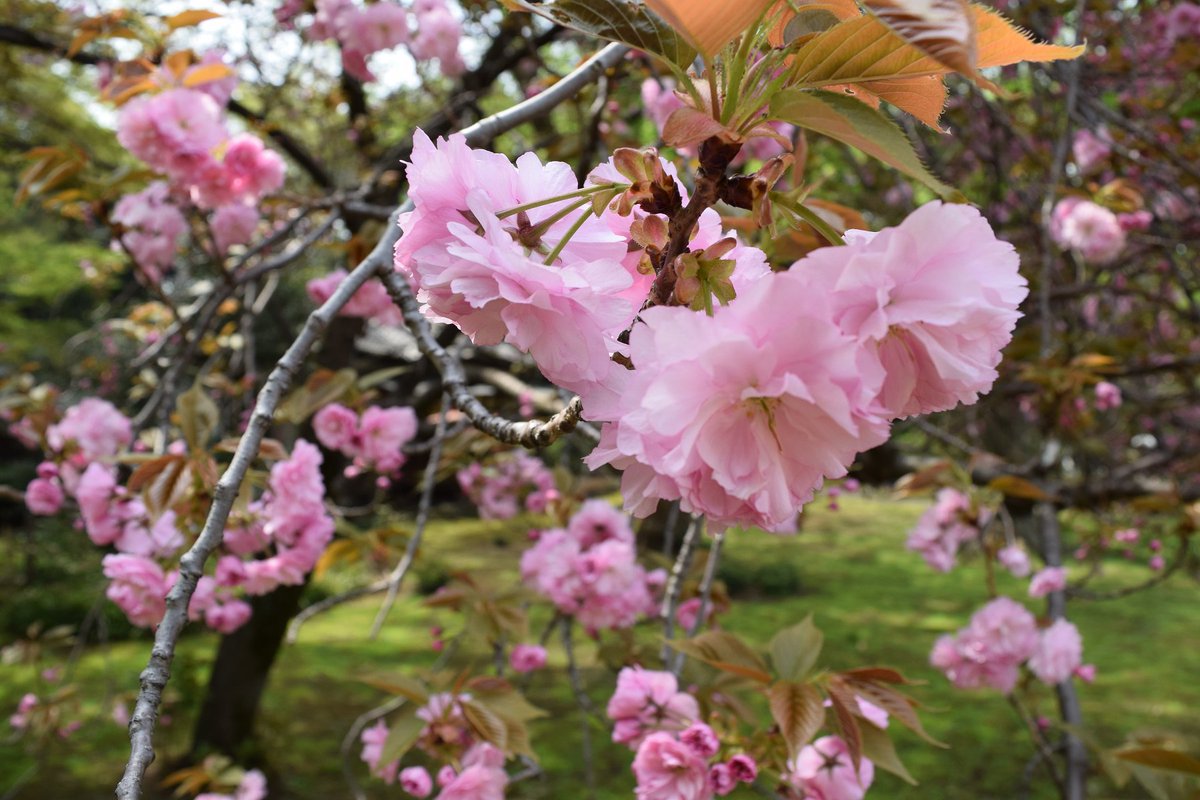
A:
x: 877, y: 746
x: 403, y: 733
x: 860, y: 126
x: 624, y: 21
x: 798, y: 710
x: 795, y: 650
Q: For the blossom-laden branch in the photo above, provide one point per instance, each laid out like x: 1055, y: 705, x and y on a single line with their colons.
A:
x: 158, y: 670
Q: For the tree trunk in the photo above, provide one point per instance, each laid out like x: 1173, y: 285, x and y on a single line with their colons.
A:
x: 244, y: 659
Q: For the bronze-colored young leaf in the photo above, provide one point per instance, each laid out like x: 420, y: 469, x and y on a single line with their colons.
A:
x: 923, y: 96
x: 486, y: 723
x: 795, y: 650
x: 198, y: 417
x: 798, y: 709
x: 725, y: 652
x: 845, y: 718
x: 1160, y: 758
x: 709, y: 24
x: 186, y: 19
x: 862, y: 50
x: 402, y: 685
x: 942, y: 29
x: 896, y: 704
x: 403, y: 732
x: 625, y: 21
x: 207, y: 74
x: 878, y: 747
x: 1014, y: 486
x: 859, y: 126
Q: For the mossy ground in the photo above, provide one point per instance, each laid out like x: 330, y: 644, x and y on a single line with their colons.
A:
x: 876, y: 602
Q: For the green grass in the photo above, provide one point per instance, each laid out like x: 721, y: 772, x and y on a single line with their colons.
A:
x: 876, y: 602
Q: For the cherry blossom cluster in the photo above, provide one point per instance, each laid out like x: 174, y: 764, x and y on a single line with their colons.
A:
x: 181, y: 133
x: 589, y: 570
x: 1001, y: 637
x: 502, y: 487
x: 373, y: 440
x: 739, y: 413
x: 1126, y: 541
x: 824, y: 770
x: 676, y: 753
x: 429, y: 28
x: 273, y: 540
x: 949, y: 523
x: 445, y: 737
x: 89, y: 431
x: 371, y: 301
x: 252, y: 786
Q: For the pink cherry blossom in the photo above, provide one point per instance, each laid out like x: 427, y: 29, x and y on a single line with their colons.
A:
x: 1015, y: 560
x: 527, y: 658
x: 438, y: 35
x: 95, y: 493
x: 1091, y: 149
x: 233, y: 224
x: 1050, y: 579
x: 476, y: 782
x: 376, y: 27
x: 502, y: 487
x: 646, y: 701
x: 382, y: 432
x: 1058, y: 654
x: 416, y: 781
x: 44, y: 497
x: 667, y: 769
x: 174, y: 132
x: 597, y: 580
x: 1089, y: 229
x: 153, y: 227
x: 93, y: 428
x: 743, y: 767
x: 701, y: 739
x: 721, y: 780
x: 991, y: 649
x: 138, y: 587
x: 227, y: 617
x: 824, y: 770
x: 373, y: 740
x: 597, y: 521
x: 336, y: 427
x: 942, y: 529
x: 734, y: 420
x: 1108, y: 396
x: 371, y: 301
x: 936, y: 296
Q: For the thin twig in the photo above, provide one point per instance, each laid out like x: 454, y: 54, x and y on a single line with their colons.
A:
x: 706, y: 583
x: 683, y: 562
x: 585, y: 705
x: 429, y: 480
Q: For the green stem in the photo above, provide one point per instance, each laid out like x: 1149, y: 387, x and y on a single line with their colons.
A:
x: 811, y: 217
x: 540, y: 229
x: 558, y: 248
x: 585, y: 191
x: 710, y: 70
